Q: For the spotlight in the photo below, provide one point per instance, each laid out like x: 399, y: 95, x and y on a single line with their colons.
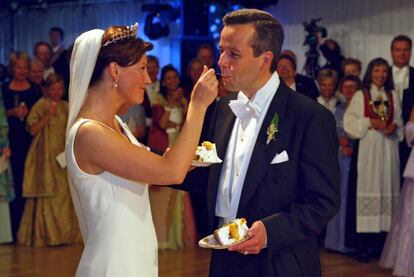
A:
x: 212, y: 8
x: 154, y: 29
x: 156, y: 21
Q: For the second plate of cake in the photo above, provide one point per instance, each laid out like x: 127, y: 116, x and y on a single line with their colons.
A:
x: 211, y: 242
x: 228, y: 235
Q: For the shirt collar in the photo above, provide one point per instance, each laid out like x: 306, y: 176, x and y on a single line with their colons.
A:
x: 403, y: 69
x: 331, y: 101
x: 261, y: 97
x: 374, y: 88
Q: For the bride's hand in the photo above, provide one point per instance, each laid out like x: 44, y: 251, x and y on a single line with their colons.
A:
x: 206, y: 88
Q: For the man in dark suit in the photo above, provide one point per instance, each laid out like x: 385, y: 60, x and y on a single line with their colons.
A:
x: 286, y: 68
x: 403, y: 78
x: 279, y: 148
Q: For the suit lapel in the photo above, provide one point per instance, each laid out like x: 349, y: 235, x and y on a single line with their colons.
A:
x: 263, y: 153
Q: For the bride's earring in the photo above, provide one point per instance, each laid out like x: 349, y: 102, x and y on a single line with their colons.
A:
x: 115, y: 83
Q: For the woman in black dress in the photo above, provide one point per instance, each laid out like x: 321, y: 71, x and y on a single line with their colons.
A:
x: 19, y: 95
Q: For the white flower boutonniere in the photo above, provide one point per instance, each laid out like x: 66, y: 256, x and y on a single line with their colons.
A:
x: 272, y: 129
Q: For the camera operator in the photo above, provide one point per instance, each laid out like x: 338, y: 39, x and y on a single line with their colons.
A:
x: 330, y: 49
x: 332, y: 52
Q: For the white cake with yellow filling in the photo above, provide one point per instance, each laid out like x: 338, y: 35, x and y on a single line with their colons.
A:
x: 207, y: 153
x: 232, y: 232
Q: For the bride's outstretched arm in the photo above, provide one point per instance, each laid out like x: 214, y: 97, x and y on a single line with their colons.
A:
x: 98, y: 148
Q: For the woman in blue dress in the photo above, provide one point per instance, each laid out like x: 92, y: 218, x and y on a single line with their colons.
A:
x: 335, y: 232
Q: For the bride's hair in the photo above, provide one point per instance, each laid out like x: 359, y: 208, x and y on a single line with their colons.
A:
x: 93, y: 51
x: 125, y: 51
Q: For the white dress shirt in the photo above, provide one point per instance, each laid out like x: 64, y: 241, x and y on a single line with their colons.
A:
x: 400, y: 78
x: 330, y: 105
x: 239, y: 151
x: 293, y: 86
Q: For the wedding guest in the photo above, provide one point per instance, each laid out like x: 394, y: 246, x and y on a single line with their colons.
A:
x: 194, y: 70
x: 335, y: 231
x: 175, y: 107
x: 48, y: 218
x: 327, y: 79
x: 43, y: 52
x: 56, y: 36
x: 398, y: 252
x: 374, y: 117
x: 153, y: 89
x: 205, y: 53
x: 286, y: 67
x: 19, y: 95
x: 36, y: 74
x: 331, y: 50
x: 351, y: 66
x: 402, y: 75
x: 172, y: 211
x: 60, y: 55
x: 6, y: 179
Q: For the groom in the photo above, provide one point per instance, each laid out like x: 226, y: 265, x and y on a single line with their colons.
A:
x: 280, y: 168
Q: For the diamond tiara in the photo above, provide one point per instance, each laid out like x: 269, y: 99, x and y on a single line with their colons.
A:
x: 129, y: 32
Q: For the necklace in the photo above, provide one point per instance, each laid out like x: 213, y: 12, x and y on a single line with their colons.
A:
x: 104, y: 123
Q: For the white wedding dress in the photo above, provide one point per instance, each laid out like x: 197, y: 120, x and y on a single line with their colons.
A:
x: 115, y: 219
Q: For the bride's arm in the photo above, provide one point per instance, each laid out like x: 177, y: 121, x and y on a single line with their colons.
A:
x: 98, y: 149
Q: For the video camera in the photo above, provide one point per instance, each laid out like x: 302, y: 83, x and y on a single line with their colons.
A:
x: 312, y: 55
x: 312, y: 28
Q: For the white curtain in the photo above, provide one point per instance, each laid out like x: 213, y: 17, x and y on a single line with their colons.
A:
x: 32, y: 25
x: 5, y: 36
x: 363, y: 28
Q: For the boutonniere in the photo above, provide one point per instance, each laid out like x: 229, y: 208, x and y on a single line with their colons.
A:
x: 272, y: 129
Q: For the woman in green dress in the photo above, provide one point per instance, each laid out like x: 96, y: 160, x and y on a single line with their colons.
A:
x: 6, y: 179
x: 48, y: 217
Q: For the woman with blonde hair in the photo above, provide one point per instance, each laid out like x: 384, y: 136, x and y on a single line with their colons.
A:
x: 19, y: 95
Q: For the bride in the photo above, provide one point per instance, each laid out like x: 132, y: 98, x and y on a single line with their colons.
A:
x: 108, y: 168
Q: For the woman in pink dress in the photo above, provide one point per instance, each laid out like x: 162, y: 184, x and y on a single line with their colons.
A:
x: 398, y: 252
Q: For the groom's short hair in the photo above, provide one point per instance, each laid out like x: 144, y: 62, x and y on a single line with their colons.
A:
x: 268, y: 35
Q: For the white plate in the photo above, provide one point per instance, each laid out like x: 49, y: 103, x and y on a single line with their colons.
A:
x: 211, y: 242
x: 203, y: 164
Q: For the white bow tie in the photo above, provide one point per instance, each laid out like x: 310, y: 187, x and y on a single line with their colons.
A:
x: 244, y: 109
x: 399, y: 71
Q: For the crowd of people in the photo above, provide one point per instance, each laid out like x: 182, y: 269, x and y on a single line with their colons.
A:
x: 374, y: 117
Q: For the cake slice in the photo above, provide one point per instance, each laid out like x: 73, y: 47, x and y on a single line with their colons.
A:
x: 207, y: 153
x: 232, y: 232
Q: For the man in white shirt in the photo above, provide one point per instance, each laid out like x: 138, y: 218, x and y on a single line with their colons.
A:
x: 403, y: 77
x: 56, y: 42
x: 60, y: 55
x: 280, y: 158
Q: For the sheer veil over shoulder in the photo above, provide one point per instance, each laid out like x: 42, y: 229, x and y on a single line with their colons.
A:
x: 82, y: 62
